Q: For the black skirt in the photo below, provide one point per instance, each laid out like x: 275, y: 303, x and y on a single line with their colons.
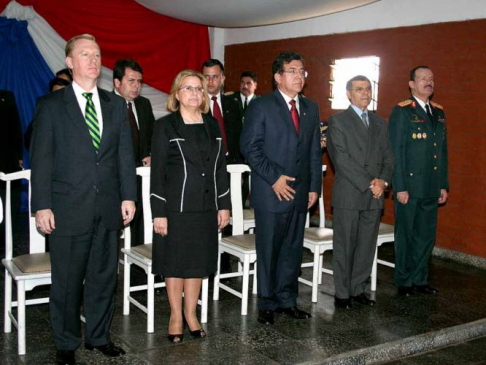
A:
x: 190, y: 250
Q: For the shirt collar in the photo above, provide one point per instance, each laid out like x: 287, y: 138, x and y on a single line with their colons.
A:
x: 359, y: 111
x: 79, y: 90
x: 288, y: 98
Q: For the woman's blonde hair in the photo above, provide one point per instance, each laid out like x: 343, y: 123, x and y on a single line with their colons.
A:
x: 173, y: 104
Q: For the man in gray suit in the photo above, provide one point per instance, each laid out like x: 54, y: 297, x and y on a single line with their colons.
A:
x: 361, y: 152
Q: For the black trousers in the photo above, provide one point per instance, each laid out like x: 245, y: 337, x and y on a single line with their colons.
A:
x: 136, y: 225
x: 91, y: 258
x: 279, y: 245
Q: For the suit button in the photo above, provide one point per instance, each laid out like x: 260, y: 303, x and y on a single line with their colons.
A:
x: 435, y: 156
x: 435, y: 144
x: 94, y: 186
x: 97, y: 164
x: 203, y: 174
x: 411, y: 174
x: 435, y: 167
x: 207, y: 191
x: 207, y: 159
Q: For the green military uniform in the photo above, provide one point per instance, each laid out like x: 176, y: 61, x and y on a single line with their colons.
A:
x: 420, y: 147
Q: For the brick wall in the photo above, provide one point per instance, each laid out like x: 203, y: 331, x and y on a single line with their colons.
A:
x: 456, y: 52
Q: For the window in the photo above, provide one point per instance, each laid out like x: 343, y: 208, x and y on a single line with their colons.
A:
x: 345, y: 69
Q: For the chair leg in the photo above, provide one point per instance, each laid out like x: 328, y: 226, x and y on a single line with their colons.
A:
x: 204, y: 300
x: 8, y: 302
x: 150, y: 301
x: 246, y: 280
x: 374, y: 270
x: 216, y: 280
x: 21, y: 316
x: 126, y: 286
x: 255, y: 279
x: 315, y: 274
x: 321, y: 263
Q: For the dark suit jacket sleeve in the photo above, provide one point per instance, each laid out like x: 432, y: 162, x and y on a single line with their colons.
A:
x: 158, y: 194
x: 222, y: 183
x: 398, y: 137
x: 149, y: 129
x: 388, y: 159
x: 316, y: 159
x: 253, y: 141
x: 444, y: 168
x: 126, y: 161
x: 42, y: 158
x: 343, y: 163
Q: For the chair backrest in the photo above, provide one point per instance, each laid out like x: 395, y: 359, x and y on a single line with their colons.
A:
x: 144, y: 172
x: 236, y: 172
x: 322, y: 214
x: 37, y: 241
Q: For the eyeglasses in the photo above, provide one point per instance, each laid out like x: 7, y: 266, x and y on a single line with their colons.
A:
x: 361, y: 90
x: 295, y: 72
x: 192, y: 89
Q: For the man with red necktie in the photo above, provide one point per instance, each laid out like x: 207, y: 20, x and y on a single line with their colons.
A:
x: 281, y: 142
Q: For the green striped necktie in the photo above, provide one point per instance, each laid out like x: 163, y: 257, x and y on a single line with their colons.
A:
x: 92, y: 121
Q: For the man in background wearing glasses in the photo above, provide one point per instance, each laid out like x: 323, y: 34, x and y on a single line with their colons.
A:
x: 362, y: 155
x: 280, y: 141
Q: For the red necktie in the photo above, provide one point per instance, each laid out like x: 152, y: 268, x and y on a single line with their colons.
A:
x: 295, y: 115
x: 219, y: 117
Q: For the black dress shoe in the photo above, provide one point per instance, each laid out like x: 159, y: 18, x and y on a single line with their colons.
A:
x: 110, y: 349
x: 65, y: 357
x: 425, y: 289
x: 405, y: 291
x: 363, y: 299
x: 343, y: 303
x: 294, y: 312
x: 265, y: 316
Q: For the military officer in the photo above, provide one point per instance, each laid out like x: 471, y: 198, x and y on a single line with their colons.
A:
x: 420, y: 183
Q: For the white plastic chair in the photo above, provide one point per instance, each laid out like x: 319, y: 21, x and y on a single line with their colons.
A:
x: 28, y: 271
x: 141, y: 256
x: 318, y: 240
x: 239, y: 244
x: 386, y: 233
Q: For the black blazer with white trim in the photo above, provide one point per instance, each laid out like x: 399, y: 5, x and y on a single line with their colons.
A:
x: 181, y: 180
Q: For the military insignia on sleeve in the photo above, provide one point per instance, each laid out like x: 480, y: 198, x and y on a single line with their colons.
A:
x: 406, y: 103
x: 442, y: 120
x: 228, y: 93
x: 435, y: 105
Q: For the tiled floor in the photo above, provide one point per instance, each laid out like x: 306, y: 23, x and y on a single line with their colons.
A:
x: 236, y: 339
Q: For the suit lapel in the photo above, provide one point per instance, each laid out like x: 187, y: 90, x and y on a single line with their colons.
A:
x: 190, y: 145
x: 303, y: 115
x: 76, y: 115
x: 107, y: 113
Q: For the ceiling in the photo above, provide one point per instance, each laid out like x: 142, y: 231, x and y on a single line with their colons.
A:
x: 248, y: 13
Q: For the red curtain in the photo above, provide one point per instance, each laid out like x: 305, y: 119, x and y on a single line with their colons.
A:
x: 124, y: 29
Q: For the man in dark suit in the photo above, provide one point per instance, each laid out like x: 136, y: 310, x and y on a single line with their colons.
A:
x: 11, y: 152
x: 248, y: 86
x: 83, y: 191
x: 127, y: 80
x: 280, y: 141
x: 421, y: 182
x: 224, y: 108
x: 358, y: 144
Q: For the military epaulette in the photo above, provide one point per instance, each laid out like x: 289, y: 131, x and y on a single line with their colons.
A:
x: 405, y: 103
x: 435, y: 105
x: 228, y: 93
